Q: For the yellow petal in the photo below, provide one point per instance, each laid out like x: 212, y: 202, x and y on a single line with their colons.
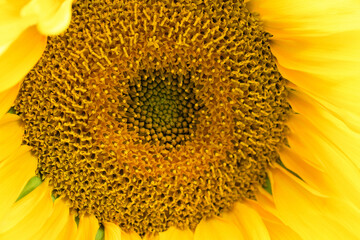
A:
x: 176, y: 234
x: 349, y: 117
x: 217, y: 228
x: 56, y: 222
x: 20, y: 57
x: 339, y: 97
x: 3, y: 48
x: 88, y: 227
x: 69, y: 230
x: 15, y: 171
x: 112, y: 231
x: 311, y: 215
x: 276, y: 228
x: 28, y: 215
x: 286, y: 18
x: 316, y: 46
x: 312, y: 55
x: 12, y: 24
x: 332, y: 128
x: 319, y: 137
x: 130, y: 236
x: 7, y: 98
x: 151, y: 236
x: 326, y: 68
x: 248, y: 221
x: 280, y: 231
x: 266, y: 201
x: 344, y: 173
x: 11, y: 132
x: 314, y: 176
x: 53, y: 15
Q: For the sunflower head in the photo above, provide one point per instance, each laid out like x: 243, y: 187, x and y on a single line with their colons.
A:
x: 152, y: 114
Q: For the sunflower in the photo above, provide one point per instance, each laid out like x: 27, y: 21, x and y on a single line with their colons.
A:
x: 179, y: 119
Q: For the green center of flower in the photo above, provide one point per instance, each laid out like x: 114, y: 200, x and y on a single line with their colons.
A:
x: 161, y: 108
x: 153, y: 114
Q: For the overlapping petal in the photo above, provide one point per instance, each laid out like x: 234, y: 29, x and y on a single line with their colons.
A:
x: 15, y: 171
x: 28, y: 215
x: 53, y: 16
x: 7, y: 98
x: 248, y: 221
x: 311, y: 214
x: 88, y: 226
x: 20, y: 57
x: 70, y: 229
x: 23, y: 29
x: 11, y: 132
x: 319, y: 137
x: 112, y: 231
x: 56, y: 222
x: 292, y: 18
x: 151, y: 236
x: 316, y: 45
x: 50, y: 16
x: 265, y: 207
x: 217, y: 228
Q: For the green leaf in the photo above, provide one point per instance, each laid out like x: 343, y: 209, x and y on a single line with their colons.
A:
x: 12, y: 110
x: 77, y: 219
x: 53, y: 197
x: 100, y: 234
x: 31, y: 185
x: 267, y: 185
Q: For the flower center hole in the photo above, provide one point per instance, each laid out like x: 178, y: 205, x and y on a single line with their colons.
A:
x: 162, y: 108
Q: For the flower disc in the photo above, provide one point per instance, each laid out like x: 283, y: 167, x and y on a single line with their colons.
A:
x: 152, y: 114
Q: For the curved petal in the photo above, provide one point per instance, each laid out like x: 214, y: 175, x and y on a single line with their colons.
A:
x: 217, y: 228
x: 176, y: 234
x: 151, y: 236
x: 312, y: 55
x: 3, y: 48
x: 314, y: 176
x: 311, y: 215
x: 276, y: 228
x: 316, y: 46
x: 112, y: 231
x: 328, y: 73
x: 53, y: 15
x: 50, y: 16
x: 69, y: 230
x: 249, y: 221
x: 340, y: 98
x: 56, y: 222
x: 7, y: 98
x: 28, y: 215
x: 319, y: 137
x: 11, y: 132
x: 333, y: 129
x: 15, y: 172
x: 20, y: 57
x: 88, y: 227
x: 288, y: 18
x: 12, y: 24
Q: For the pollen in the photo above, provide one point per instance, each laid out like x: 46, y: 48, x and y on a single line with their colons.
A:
x: 152, y: 114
